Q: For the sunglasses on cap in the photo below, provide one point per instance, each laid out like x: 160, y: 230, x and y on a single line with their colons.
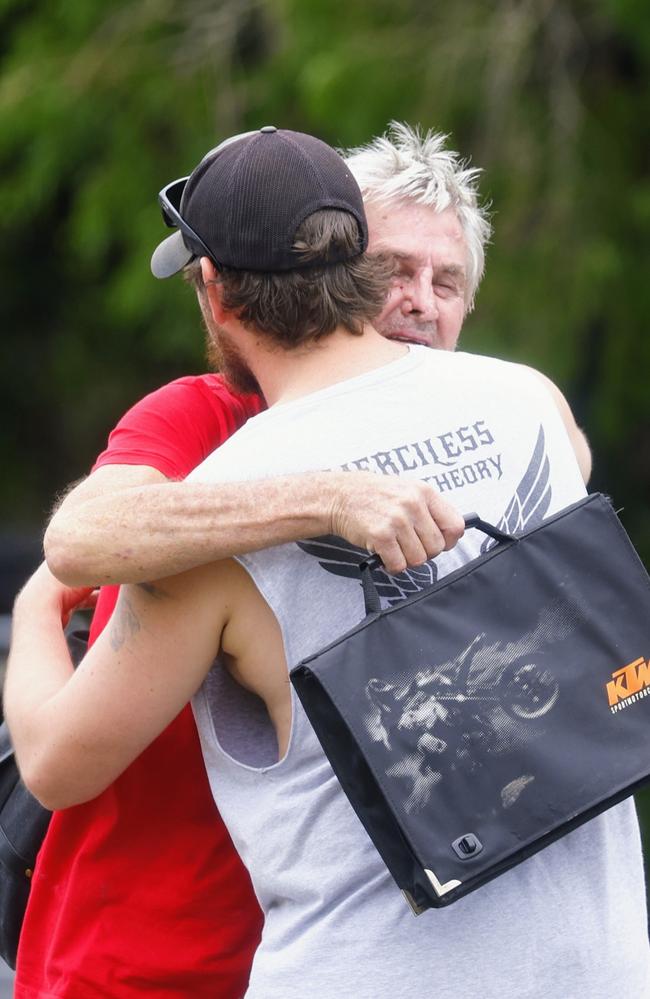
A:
x: 169, y: 200
x: 171, y: 196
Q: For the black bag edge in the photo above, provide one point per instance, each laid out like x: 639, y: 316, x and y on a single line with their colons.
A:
x: 420, y: 886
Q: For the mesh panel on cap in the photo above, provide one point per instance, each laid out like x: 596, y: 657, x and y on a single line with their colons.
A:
x: 277, y: 183
x: 247, y: 202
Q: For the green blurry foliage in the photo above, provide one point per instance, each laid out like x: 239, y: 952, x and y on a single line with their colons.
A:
x: 101, y: 104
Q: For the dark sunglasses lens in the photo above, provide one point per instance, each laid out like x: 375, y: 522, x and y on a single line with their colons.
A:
x: 168, y: 219
x: 169, y: 200
x: 174, y: 193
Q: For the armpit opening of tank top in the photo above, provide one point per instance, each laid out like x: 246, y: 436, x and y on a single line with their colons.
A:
x: 241, y: 721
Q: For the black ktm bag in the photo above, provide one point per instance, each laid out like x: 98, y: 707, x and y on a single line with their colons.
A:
x: 479, y: 720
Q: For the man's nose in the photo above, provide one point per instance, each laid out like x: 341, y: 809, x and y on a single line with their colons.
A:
x: 419, y: 297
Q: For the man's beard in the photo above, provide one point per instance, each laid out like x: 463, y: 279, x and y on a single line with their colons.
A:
x: 224, y: 356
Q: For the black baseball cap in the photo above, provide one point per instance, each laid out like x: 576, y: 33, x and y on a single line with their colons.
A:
x: 245, y: 200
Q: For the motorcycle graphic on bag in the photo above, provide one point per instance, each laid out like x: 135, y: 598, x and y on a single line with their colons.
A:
x: 467, y: 715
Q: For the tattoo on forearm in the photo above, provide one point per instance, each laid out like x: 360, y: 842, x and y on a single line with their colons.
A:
x: 124, y: 624
x: 151, y: 590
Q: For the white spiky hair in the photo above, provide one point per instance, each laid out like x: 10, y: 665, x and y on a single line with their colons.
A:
x: 407, y: 164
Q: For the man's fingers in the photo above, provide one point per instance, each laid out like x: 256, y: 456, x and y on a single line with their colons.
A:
x: 400, y: 549
x: 411, y: 539
x: 91, y: 601
x: 429, y: 525
x: 448, y: 520
x: 391, y: 556
x: 405, y: 522
x: 431, y: 538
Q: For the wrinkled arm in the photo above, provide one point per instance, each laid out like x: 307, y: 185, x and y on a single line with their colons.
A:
x: 128, y: 523
x: 74, y: 732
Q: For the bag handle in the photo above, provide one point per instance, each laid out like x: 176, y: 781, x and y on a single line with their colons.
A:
x: 371, y: 597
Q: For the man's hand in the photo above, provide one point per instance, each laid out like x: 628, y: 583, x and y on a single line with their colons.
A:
x: 39, y: 663
x: 403, y: 520
x: 43, y: 591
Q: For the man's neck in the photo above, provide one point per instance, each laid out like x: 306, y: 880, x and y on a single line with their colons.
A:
x: 284, y: 375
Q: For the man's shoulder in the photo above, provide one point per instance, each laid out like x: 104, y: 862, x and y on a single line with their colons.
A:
x: 202, y: 403
x: 210, y: 387
x: 472, y: 360
x: 484, y: 365
x: 177, y: 425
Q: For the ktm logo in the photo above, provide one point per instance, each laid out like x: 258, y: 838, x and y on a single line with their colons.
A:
x: 628, y: 681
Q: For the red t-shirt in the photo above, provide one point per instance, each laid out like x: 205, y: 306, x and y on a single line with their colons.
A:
x: 141, y: 891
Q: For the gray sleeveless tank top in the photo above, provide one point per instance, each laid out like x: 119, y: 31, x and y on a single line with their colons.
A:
x: 569, y: 923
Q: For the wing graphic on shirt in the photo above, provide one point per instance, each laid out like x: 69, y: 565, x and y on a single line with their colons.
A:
x: 526, y: 509
x: 343, y: 559
x: 533, y: 496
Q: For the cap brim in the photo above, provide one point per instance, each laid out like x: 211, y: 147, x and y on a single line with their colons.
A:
x: 170, y: 256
